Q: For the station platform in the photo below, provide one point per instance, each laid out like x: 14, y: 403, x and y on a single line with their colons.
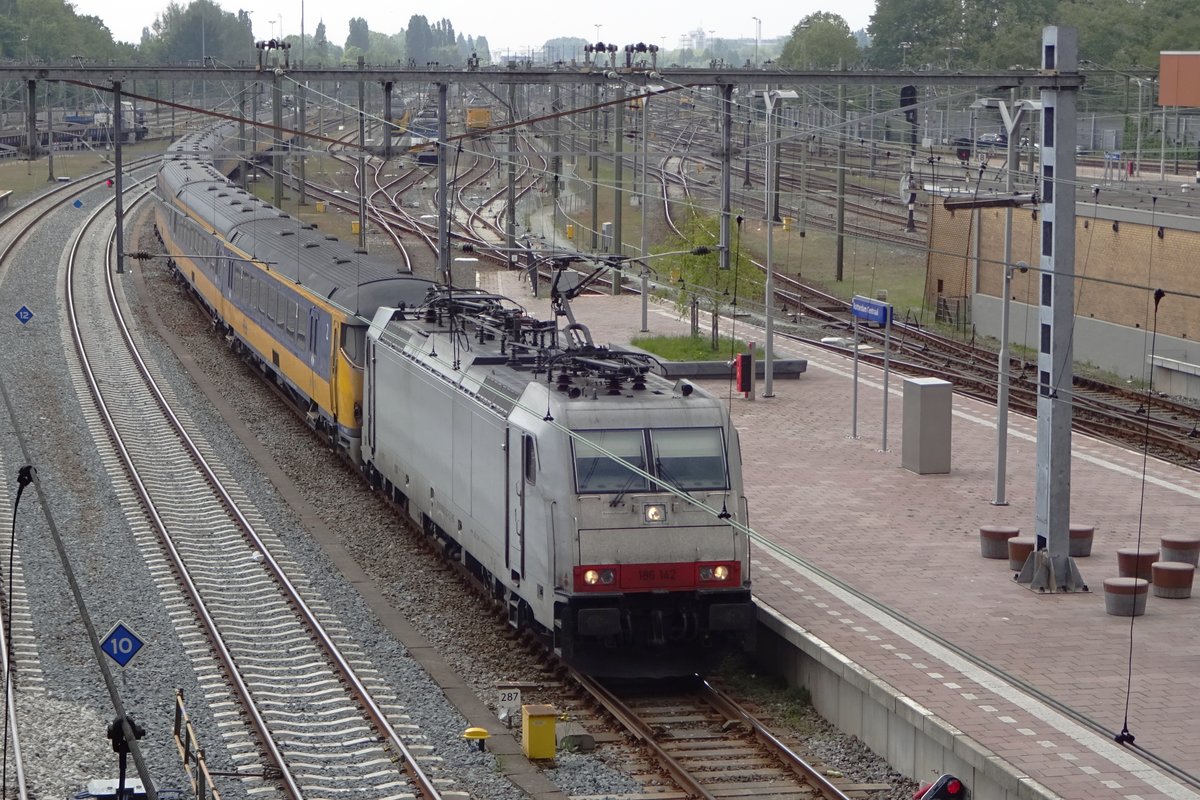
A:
x: 963, y: 641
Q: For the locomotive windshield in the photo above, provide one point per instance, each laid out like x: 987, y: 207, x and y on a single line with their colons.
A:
x: 690, y: 458
x: 596, y: 472
x: 686, y: 458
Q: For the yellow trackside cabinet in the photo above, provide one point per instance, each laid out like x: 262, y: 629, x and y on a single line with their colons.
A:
x: 537, y: 731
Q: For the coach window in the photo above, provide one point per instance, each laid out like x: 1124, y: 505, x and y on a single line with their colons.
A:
x: 291, y: 317
x: 690, y: 458
x: 596, y: 471
x: 270, y: 302
x: 353, y: 343
x: 281, y: 317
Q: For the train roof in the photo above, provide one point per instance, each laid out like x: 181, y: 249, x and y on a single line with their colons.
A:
x: 338, y: 271
x: 489, y: 343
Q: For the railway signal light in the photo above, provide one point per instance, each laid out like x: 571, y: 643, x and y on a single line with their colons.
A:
x: 908, y: 101
x: 946, y: 787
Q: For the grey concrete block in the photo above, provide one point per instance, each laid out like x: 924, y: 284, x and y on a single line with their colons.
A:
x: 850, y: 710
x: 572, y: 736
x: 875, y: 726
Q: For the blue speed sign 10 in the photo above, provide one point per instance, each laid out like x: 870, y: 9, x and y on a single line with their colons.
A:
x: 121, y: 644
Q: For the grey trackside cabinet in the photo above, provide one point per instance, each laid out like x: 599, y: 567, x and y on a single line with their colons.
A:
x: 927, y: 406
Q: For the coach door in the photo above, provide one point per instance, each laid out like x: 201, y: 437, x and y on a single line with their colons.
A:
x: 522, y: 460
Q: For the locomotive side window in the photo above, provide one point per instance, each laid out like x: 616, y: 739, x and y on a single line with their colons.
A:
x: 597, y: 472
x: 529, y: 458
x: 690, y: 458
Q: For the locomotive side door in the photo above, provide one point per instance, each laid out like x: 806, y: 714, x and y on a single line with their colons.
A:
x: 521, y: 468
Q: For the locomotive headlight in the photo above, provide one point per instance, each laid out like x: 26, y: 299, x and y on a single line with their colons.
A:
x: 654, y: 512
x: 720, y: 572
x: 593, y: 577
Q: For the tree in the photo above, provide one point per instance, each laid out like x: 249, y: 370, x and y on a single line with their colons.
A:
x: 418, y: 40
x: 321, y: 42
x: 821, y: 40
x: 700, y: 277
x: 201, y: 30
x: 360, y: 35
x: 908, y: 33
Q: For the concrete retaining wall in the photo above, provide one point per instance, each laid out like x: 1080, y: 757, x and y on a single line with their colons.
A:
x: 916, y: 742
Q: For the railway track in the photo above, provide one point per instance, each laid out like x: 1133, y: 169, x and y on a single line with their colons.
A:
x: 708, y: 744
x: 321, y: 723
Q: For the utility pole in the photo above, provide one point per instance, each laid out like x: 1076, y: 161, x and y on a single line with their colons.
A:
x: 594, y: 165
x: 50, y: 133
x: 444, y: 204
x: 841, y: 183
x: 302, y: 109
x: 618, y: 180
x: 277, y: 136
x: 726, y: 122
x: 556, y: 158
x: 246, y: 161
x: 362, y: 159
x: 510, y: 220
x: 118, y: 183
x: 387, y: 120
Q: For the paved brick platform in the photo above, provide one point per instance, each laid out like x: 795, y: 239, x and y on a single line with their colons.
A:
x: 856, y: 523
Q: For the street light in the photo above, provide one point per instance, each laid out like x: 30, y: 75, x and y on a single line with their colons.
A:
x: 757, y: 34
x: 905, y: 46
x: 1002, y: 388
x: 770, y: 96
x: 597, y: 26
x: 1137, y: 159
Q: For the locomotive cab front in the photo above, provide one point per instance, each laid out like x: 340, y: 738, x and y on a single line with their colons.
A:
x: 659, y: 580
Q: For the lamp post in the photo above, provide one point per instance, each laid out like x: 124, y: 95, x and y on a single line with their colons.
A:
x: 1137, y: 159
x: 1002, y: 387
x: 770, y: 97
x: 904, y: 46
x: 757, y: 34
x: 597, y: 26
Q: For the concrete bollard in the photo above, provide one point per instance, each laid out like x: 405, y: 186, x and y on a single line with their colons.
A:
x: 1125, y: 597
x: 1182, y: 547
x: 1172, y: 579
x: 993, y: 540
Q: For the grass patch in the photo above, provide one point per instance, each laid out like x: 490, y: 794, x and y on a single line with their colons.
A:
x: 26, y: 178
x: 689, y: 348
x: 790, y: 705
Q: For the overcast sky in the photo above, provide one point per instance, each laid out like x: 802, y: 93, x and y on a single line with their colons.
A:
x: 514, y: 26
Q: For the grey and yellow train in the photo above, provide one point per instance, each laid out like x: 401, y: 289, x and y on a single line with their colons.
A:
x: 600, y: 503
